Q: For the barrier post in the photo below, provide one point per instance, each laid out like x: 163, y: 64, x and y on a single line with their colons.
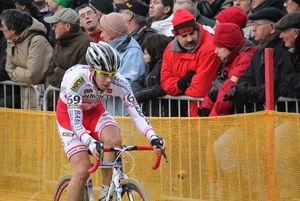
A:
x: 270, y: 137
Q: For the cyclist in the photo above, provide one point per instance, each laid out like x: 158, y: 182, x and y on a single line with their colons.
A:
x: 80, y: 110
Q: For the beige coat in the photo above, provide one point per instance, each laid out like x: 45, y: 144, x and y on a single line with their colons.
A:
x: 28, y: 58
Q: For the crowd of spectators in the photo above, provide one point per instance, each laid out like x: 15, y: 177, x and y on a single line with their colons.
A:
x: 191, y: 64
x: 203, y: 49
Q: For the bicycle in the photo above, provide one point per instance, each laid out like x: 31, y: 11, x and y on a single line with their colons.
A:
x: 122, y: 187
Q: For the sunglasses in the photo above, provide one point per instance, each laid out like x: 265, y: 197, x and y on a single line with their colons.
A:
x: 105, y: 73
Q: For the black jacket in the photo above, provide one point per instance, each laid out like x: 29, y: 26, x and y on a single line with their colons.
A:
x: 254, y: 76
x: 289, y: 85
x: 12, y: 101
x: 147, y: 88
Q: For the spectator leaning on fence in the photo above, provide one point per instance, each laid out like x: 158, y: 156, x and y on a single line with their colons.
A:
x: 289, y: 85
x: 28, y: 51
x: 251, y: 86
x: 147, y: 87
x: 114, y: 32
x: 189, y: 62
x: 135, y: 13
x: 235, y: 53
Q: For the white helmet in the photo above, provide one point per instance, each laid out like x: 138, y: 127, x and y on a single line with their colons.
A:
x: 102, y: 56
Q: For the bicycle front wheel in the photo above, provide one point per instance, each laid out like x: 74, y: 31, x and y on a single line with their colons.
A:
x: 132, y: 190
x: 60, y: 192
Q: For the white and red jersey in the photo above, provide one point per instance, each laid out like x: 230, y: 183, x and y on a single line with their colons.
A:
x: 79, y: 95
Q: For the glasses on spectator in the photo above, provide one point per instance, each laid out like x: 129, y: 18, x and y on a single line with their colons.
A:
x: 105, y: 74
x: 54, y: 25
x: 259, y: 24
x: 87, y: 14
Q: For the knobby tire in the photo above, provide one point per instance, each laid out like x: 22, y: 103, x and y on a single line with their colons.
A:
x: 132, y: 187
x: 62, y: 187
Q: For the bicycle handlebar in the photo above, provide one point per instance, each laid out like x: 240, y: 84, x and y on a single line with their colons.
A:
x: 128, y: 148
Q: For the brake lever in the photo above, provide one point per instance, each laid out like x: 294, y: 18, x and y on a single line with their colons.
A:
x: 162, y: 152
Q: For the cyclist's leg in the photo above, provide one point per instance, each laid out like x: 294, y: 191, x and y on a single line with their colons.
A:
x: 111, y: 137
x: 106, y: 129
x: 80, y: 163
x: 77, y: 153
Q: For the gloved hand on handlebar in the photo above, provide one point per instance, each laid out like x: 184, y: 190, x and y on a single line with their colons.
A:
x: 93, y: 149
x: 158, y: 143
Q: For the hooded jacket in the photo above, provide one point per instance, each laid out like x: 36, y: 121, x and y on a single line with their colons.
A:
x: 237, y: 62
x: 29, y: 55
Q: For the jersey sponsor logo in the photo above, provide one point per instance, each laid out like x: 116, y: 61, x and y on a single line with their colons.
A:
x: 87, y: 91
x: 121, y: 82
x: 68, y: 134
x: 77, y: 83
x: 90, y: 97
x: 77, y: 121
x: 138, y: 109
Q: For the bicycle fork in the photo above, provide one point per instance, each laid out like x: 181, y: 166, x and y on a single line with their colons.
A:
x: 115, y: 186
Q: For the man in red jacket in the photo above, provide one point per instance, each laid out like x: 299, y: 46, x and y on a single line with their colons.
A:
x: 189, y: 62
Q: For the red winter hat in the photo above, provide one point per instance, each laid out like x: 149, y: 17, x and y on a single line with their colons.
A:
x: 183, y: 21
x: 234, y: 15
x: 227, y: 35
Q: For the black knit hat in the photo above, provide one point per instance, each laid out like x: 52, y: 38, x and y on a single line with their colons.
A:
x: 135, y: 6
x: 105, y: 6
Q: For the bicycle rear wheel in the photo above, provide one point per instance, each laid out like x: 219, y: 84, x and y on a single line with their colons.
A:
x: 132, y: 190
x: 60, y: 192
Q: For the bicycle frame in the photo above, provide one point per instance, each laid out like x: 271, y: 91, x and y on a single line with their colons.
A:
x: 121, y: 185
x: 118, y: 174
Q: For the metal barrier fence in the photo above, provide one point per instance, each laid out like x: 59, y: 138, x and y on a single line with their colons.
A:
x: 46, y: 97
x: 18, y: 91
